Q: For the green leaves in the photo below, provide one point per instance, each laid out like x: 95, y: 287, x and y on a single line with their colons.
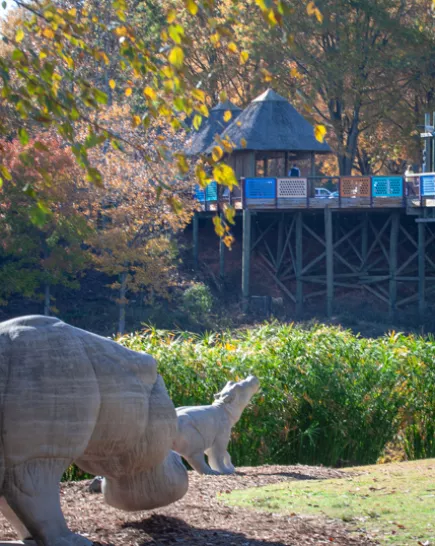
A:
x: 23, y: 136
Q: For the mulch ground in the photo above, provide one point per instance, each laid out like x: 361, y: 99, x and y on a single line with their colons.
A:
x: 201, y: 519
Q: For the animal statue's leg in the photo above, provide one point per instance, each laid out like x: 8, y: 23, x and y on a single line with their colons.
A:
x: 197, y: 462
x: 227, y: 462
x: 22, y: 531
x: 216, y: 455
x: 32, y: 491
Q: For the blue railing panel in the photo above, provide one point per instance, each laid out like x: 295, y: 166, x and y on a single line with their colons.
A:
x: 209, y: 194
x: 387, y: 186
x: 260, y: 188
x: 427, y: 184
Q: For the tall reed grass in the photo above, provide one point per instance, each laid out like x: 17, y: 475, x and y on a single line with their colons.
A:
x: 327, y: 397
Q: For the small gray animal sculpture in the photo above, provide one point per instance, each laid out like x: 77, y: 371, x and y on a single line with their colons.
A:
x: 67, y: 395
x: 207, y: 429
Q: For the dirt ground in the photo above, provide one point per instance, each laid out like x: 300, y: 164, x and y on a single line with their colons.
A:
x: 200, y: 518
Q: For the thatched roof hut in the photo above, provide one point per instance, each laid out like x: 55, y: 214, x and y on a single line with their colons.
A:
x: 214, y: 124
x: 271, y: 123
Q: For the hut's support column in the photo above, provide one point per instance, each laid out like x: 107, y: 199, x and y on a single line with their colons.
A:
x: 246, y: 258
x: 280, y: 243
x: 195, y: 227
x: 312, y: 164
x: 329, y: 262
x: 421, y: 269
x: 364, y: 239
x: 394, y: 237
x: 299, y: 264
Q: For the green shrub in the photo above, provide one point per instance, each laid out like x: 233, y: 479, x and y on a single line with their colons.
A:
x: 197, y: 302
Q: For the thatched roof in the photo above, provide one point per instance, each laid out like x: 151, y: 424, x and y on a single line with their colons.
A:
x: 214, y: 124
x: 269, y: 123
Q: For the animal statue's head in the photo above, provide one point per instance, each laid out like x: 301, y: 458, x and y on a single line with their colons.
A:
x: 236, y: 396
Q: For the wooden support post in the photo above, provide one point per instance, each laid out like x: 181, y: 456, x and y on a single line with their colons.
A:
x: 364, y: 239
x: 312, y: 164
x: 329, y: 243
x: 195, y: 227
x: 299, y: 264
x: 221, y: 255
x: 421, y: 270
x: 394, y: 239
x: 286, y: 169
x: 246, y: 258
x: 280, y: 242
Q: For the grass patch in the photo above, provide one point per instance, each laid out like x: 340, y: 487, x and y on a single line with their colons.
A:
x: 394, y: 503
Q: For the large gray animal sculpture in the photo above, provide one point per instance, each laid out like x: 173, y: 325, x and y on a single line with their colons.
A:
x: 207, y: 429
x: 67, y: 395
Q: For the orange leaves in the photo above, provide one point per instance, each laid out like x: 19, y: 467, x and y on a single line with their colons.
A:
x: 313, y: 10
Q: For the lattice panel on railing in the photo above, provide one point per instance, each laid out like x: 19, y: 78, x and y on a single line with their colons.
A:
x: 355, y: 186
x: 387, y: 186
x: 291, y: 187
x: 427, y: 184
x: 260, y: 188
x: 210, y: 193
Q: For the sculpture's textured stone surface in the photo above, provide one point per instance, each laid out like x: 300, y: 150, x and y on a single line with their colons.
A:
x: 207, y: 429
x: 66, y: 396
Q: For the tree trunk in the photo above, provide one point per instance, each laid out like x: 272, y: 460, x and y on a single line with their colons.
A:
x: 47, y: 300
x: 122, y: 304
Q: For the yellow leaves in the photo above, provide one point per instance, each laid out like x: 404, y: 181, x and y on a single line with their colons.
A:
x: 203, y: 110
x: 232, y: 47
x: 172, y: 15
x: 121, y: 31
x: 182, y: 164
x: 136, y: 121
x: 267, y: 76
x: 320, y: 132
x: 223, y: 96
x: 224, y: 174
x: 217, y: 153
x: 244, y: 56
x: 202, y: 177
x: 48, y: 33
x: 313, y: 10
x: 215, y: 39
x: 104, y: 57
x: 230, y: 213
x: 150, y: 93
x: 243, y: 142
x: 294, y: 73
x: 72, y: 12
x: 176, y: 32
x: 218, y: 226
x: 176, y: 57
x: 227, y: 116
x: 197, y: 120
x: 271, y: 17
x: 198, y: 94
x: 112, y: 84
x: 128, y: 91
x: 19, y: 36
x: 191, y: 6
x: 228, y: 241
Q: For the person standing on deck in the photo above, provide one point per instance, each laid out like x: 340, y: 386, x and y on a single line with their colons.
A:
x: 294, y: 171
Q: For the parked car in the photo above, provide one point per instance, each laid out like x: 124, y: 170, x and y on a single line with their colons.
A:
x: 334, y: 195
x: 322, y: 192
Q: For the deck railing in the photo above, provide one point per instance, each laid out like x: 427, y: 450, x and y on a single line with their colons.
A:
x: 350, y: 191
